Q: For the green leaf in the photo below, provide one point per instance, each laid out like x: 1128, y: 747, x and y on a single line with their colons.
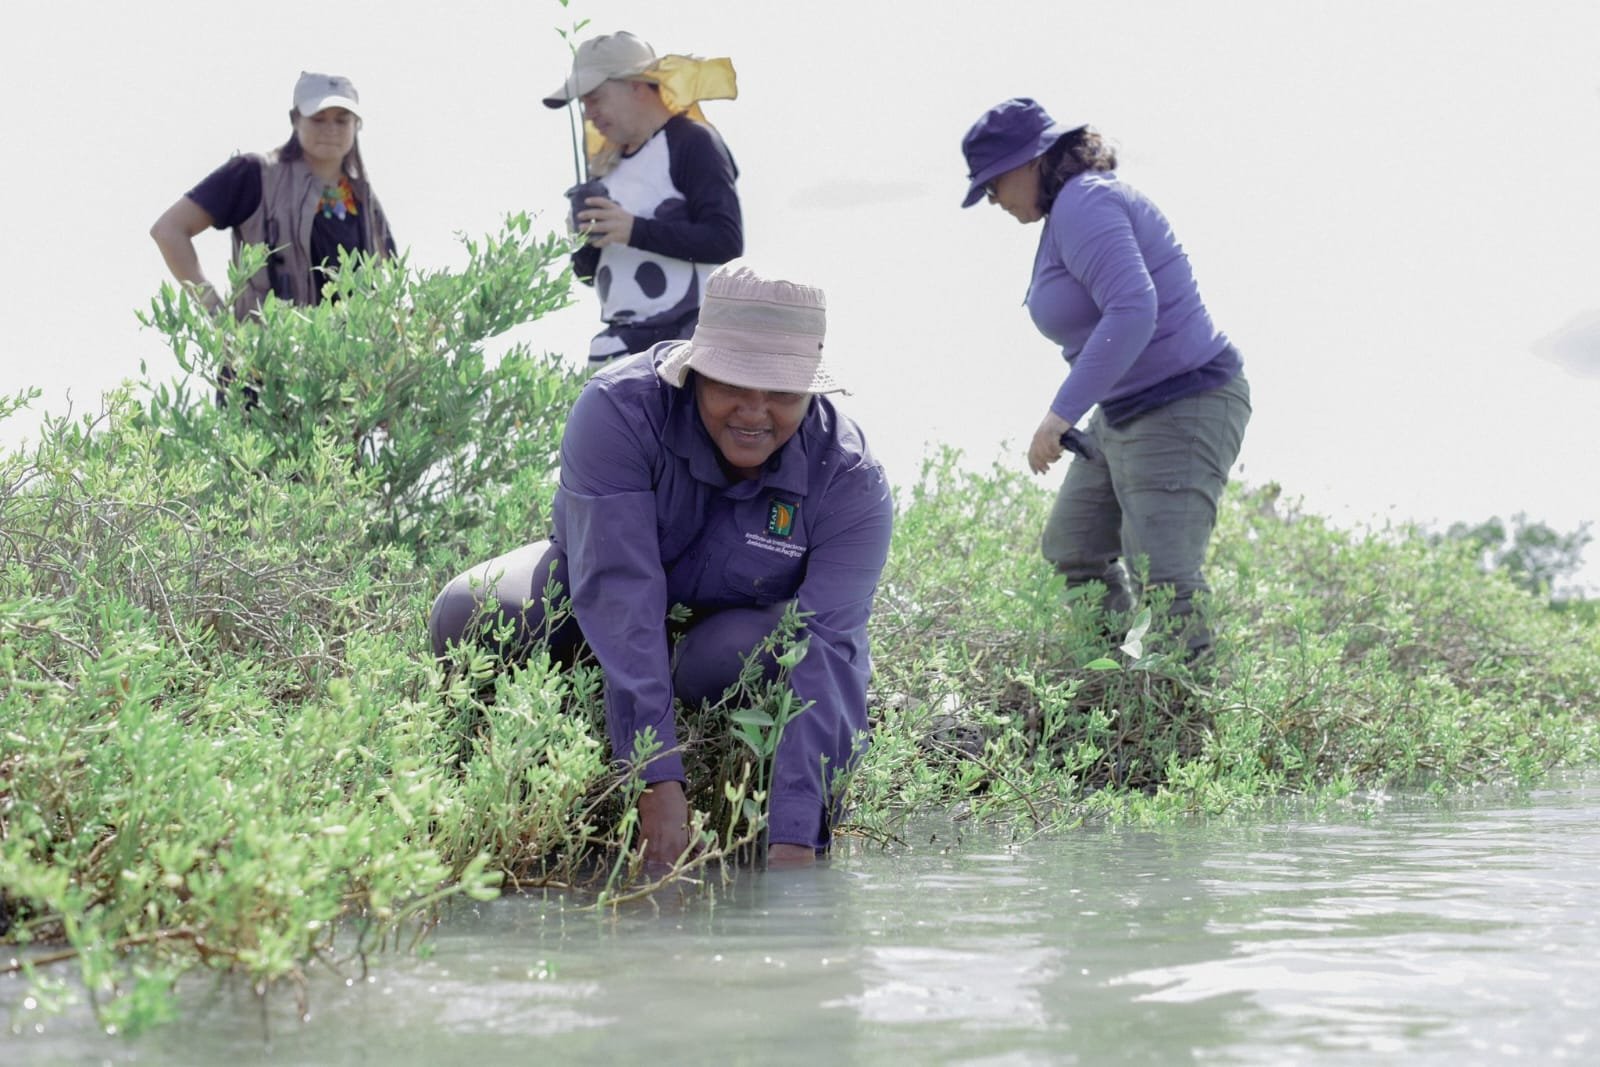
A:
x: 753, y: 717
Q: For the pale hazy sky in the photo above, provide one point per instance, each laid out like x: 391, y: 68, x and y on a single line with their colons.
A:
x: 1389, y: 204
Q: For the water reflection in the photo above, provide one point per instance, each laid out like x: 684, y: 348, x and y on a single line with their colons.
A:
x: 1464, y: 933
x: 971, y: 967
x: 1415, y: 932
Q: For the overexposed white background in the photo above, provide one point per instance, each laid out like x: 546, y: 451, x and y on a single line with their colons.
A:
x: 1390, y: 206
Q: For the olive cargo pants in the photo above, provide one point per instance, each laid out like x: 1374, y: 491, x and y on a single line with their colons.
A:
x: 1152, y: 494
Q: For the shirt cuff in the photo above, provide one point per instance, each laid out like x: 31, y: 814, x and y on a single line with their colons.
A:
x: 666, y: 767
x: 797, y: 821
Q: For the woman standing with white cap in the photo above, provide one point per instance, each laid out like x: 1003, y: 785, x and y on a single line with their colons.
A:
x: 713, y: 473
x: 307, y: 201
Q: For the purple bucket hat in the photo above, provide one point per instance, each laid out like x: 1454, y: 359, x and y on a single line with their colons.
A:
x: 1004, y: 138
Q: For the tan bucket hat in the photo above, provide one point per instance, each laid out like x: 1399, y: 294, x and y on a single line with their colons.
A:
x: 600, y: 59
x: 756, y: 333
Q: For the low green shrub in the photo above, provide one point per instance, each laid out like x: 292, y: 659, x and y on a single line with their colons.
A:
x: 224, y: 741
x: 392, y: 369
x: 1345, y: 660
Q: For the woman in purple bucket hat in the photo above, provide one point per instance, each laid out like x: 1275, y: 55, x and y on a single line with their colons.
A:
x: 1113, y: 287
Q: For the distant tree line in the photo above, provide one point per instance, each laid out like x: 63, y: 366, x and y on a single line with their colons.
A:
x: 1536, y: 557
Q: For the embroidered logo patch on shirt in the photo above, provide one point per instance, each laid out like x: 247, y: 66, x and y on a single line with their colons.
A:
x: 780, y: 518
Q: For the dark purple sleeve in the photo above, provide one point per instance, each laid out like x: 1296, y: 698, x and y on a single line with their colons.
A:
x: 231, y: 193
x: 703, y: 170
x: 606, y: 522
x: 843, y: 565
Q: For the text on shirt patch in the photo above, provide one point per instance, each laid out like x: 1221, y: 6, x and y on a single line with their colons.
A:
x: 768, y: 544
x: 780, y: 518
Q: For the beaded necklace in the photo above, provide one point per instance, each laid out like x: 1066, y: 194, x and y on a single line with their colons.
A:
x: 337, y: 201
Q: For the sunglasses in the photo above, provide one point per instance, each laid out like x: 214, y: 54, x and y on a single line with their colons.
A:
x: 989, y: 188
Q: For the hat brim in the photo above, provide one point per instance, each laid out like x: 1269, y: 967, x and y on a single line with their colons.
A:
x: 574, y: 87
x: 323, y: 103
x: 773, y: 372
x: 1035, y: 148
x: 578, y: 85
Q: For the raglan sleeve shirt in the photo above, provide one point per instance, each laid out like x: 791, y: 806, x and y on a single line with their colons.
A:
x: 702, y: 169
x: 712, y: 231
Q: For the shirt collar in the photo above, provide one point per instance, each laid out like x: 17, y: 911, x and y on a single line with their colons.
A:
x: 685, y: 436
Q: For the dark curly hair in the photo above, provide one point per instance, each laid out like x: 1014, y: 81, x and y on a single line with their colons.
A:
x: 1071, y: 155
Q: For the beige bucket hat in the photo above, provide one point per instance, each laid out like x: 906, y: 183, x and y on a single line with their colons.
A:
x: 756, y: 333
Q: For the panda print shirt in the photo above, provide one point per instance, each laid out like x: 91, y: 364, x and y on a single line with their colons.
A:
x: 679, y: 187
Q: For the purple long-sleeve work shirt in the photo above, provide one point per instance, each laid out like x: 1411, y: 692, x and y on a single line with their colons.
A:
x: 1113, y: 287
x: 647, y: 518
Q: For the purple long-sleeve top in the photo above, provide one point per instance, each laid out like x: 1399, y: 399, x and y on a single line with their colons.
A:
x: 647, y: 518
x: 1113, y: 287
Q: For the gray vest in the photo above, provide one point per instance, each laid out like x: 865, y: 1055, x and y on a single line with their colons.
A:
x: 289, y: 196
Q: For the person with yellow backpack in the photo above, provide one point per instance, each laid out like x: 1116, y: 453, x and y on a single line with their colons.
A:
x: 658, y: 204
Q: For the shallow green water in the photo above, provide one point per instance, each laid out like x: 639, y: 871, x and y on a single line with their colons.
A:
x: 1421, y: 933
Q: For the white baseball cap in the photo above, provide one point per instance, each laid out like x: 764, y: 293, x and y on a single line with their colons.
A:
x: 318, y: 92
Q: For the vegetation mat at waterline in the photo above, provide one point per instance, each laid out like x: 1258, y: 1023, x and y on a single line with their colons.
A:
x: 225, y: 745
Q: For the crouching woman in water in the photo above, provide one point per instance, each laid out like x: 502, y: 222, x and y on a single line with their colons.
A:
x: 712, y: 473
